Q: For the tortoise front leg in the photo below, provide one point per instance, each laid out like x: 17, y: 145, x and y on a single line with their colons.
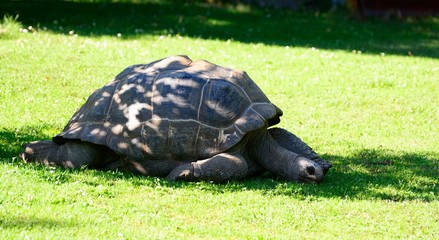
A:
x: 219, y: 168
x: 294, y: 144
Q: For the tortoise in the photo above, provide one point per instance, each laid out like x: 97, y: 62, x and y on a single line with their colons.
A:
x: 182, y: 120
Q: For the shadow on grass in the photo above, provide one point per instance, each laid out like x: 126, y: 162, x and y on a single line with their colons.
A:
x: 26, y: 223
x: 368, y: 174
x: 272, y: 27
x: 380, y: 174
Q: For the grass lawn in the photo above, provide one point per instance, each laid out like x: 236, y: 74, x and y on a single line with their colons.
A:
x: 362, y: 93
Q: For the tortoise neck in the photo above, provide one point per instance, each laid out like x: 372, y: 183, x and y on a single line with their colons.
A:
x: 269, y: 154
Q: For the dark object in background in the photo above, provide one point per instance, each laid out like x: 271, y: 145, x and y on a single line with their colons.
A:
x: 399, y: 8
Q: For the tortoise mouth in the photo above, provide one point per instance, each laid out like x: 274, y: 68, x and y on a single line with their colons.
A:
x: 309, y: 179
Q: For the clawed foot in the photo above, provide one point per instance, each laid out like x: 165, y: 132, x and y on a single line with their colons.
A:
x: 184, y: 172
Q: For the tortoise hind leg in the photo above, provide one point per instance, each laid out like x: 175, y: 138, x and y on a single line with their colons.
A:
x: 294, y: 144
x: 219, y: 168
x: 72, y: 154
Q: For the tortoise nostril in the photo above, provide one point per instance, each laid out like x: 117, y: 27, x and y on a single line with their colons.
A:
x: 310, y: 170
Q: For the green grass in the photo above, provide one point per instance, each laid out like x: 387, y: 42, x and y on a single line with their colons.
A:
x: 363, y: 93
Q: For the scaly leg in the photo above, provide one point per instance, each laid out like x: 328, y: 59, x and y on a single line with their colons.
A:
x: 72, y: 154
x: 219, y: 168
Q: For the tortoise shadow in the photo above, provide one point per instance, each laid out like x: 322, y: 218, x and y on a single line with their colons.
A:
x: 247, y: 25
x: 380, y: 174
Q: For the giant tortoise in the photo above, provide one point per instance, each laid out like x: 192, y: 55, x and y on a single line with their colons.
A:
x: 182, y: 120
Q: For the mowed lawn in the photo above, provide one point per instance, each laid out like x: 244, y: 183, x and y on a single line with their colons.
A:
x: 364, y: 93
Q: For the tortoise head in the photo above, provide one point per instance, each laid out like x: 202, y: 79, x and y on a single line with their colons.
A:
x: 302, y: 169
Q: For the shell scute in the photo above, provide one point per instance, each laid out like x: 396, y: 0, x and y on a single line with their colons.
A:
x: 176, y: 95
x: 222, y: 104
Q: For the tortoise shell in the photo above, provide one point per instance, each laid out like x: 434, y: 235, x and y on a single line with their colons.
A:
x: 173, y: 108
